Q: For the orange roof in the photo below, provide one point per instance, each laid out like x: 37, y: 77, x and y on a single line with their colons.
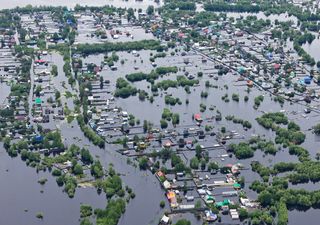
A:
x: 249, y: 83
x: 171, y: 195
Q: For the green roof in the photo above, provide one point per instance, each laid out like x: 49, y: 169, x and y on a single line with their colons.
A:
x: 237, y: 185
x: 38, y: 101
x: 226, y: 202
x: 209, y: 197
x: 219, y: 204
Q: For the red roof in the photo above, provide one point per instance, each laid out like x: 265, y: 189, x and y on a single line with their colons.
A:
x: 276, y: 66
x: 197, y: 116
x: 180, y: 35
x: 40, y: 61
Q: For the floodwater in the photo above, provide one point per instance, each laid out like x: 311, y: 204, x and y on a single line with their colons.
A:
x: 72, y: 3
x: 5, y: 91
x: 20, y: 185
x: 313, y: 48
x: 20, y: 197
x: 284, y: 17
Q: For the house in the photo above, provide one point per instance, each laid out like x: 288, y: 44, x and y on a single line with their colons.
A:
x: 201, y: 134
x: 171, y: 195
x: 234, y: 214
x: 210, y: 216
x: 164, y: 220
x: 307, y: 80
x: 198, y: 118
x: 40, y: 61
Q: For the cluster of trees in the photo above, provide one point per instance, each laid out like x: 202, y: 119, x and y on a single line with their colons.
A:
x: 257, y: 216
x: 54, y: 70
x: 112, y: 59
x: 289, y: 136
x: 316, y: 129
x: 202, y: 19
x: 181, y: 5
x: 183, y: 222
x: 124, y: 89
x: 267, y: 7
x: 311, y: 26
x: 177, y: 163
x: 112, y: 213
x: 169, y: 100
x: 305, y: 172
x: 85, y: 211
x: 263, y: 171
x: 292, y: 198
x: 252, y: 24
x: 158, y: 55
x: 143, y: 163
x: 258, y: 100
x: 89, y: 133
x: 244, y: 123
x: 242, y: 150
x: 180, y: 81
x: 151, y: 77
x: 88, y: 49
x: 305, y: 56
x: 52, y: 140
x: 267, y: 147
x: 167, y: 115
x: 238, y: 7
x: 112, y: 185
x: 267, y: 120
x: 64, y: 49
x: 69, y: 182
x: 97, y: 169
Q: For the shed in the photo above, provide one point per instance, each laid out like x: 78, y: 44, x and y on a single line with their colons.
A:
x: 307, y: 80
x: 38, y: 101
x: 38, y: 138
x: 237, y: 186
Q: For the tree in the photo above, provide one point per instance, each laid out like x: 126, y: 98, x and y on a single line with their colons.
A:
x: 162, y: 204
x: 175, y: 119
x: 145, y: 126
x: 85, y: 221
x: 316, y: 129
x: 198, y: 151
x: 163, y: 124
x: 282, y: 213
x: 96, y: 169
x: 77, y: 169
x: 194, y: 163
x: 213, y: 166
x: 143, y: 163
x: 57, y: 95
x: 130, y: 14
x: 265, y: 198
x: 183, y: 222
x: 150, y: 10
x: 101, y: 82
x: 86, y: 157
x: 243, y: 213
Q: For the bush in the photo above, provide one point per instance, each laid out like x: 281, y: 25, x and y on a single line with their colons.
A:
x: 162, y: 204
x: 85, y: 211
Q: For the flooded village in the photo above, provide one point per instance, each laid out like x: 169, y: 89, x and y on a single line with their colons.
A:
x: 152, y: 112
